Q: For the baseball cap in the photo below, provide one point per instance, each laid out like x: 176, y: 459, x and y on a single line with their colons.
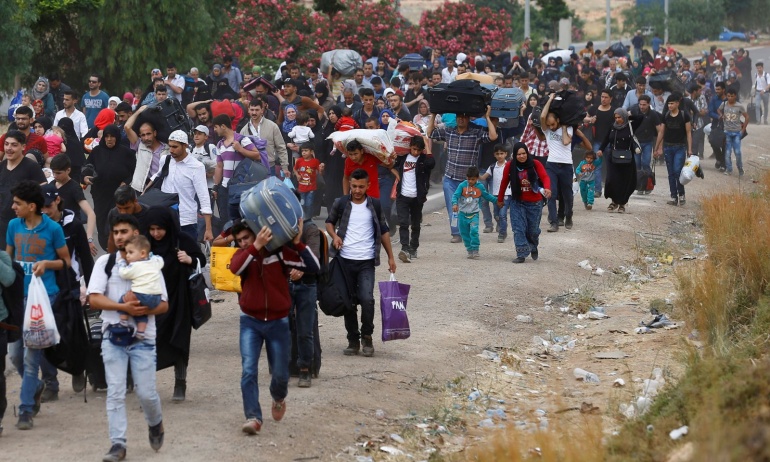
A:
x: 179, y: 136
x: 203, y: 129
x: 387, y: 92
x: 50, y: 193
x: 292, y: 82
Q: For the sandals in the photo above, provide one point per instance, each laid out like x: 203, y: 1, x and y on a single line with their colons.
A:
x: 622, y: 209
x: 612, y: 207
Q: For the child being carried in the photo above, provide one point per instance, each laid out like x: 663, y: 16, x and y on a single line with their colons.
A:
x: 143, y: 271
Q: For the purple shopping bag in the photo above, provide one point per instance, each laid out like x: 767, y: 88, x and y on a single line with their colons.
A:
x: 393, y: 298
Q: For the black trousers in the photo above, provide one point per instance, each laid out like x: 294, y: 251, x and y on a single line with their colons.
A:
x: 409, y: 210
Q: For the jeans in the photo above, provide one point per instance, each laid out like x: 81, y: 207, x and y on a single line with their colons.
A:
x: 469, y: 230
x: 502, y: 214
x: 277, y: 339
x: 525, y: 221
x: 141, y: 356
x: 386, y: 185
x: 409, y: 211
x: 361, y: 273
x: 48, y: 370
x: 190, y: 230
x: 223, y: 205
x: 450, y: 186
x: 733, y: 144
x: 29, y: 370
x: 151, y: 301
x: 587, y: 192
x: 561, y: 183
x: 598, y: 170
x: 303, y: 309
x: 644, y: 160
x: 307, y: 204
x: 675, y: 156
x: 761, y: 99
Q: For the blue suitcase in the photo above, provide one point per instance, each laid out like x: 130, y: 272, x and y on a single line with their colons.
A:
x: 271, y: 203
x: 506, y: 102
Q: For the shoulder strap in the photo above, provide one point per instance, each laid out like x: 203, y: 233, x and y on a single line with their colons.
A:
x: 207, y: 148
x: 110, y: 264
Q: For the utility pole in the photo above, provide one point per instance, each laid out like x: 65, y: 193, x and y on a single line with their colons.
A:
x: 665, y: 19
x: 609, y: 27
x: 526, y: 19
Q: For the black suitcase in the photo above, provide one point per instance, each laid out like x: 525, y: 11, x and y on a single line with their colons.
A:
x: 667, y: 81
x: 315, y: 368
x: 166, y: 116
x: 751, y: 108
x: 95, y: 365
x: 415, y: 61
x: 459, y: 97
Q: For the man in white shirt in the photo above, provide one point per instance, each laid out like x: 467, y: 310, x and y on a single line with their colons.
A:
x: 449, y: 73
x: 762, y: 85
x: 69, y: 100
x: 174, y: 82
x: 187, y: 178
x: 559, y: 165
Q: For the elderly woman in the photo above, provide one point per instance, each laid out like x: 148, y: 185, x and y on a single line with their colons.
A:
x: 621, y: 175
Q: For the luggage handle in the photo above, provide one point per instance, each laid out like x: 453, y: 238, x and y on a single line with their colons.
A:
x: 452, y: 99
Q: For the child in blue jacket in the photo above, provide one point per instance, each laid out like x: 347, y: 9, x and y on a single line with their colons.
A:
x: 465, y: 202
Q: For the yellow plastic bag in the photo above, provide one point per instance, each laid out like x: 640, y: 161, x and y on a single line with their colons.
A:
x: 221, y: 276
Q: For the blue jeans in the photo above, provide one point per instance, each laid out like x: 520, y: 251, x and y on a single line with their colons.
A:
x: 450, y: 186
x: 598, y: 170
x: 151, y: 301
x: 485, y: 213
x: 502, y: 213
x: 760, y: 103
x: 361, y: 273
x: 561, y: 183
x: 525, y: 221
x: 675, y: 156
x: 190, y: 230
x: 277, y: 339
x: 307, y: 204
x: 386, y: 185
x: 733, y: 143
x: 141, y: 356
x: 303, y: 308
x: 644, y: 160
x: 29, y: 370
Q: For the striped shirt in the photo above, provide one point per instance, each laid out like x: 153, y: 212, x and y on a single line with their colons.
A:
x: 230, y: 158
x: 462, y: 149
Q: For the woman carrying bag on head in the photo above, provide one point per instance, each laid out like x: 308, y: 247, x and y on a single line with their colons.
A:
x: 181, y: 256
x: 619, y: 159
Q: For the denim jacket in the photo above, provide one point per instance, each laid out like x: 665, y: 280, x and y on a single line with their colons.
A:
x: 339, y: 216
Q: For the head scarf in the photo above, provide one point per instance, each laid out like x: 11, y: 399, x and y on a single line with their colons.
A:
x: 66, y: 124
x: 528, y: 166
x: 113, y: 130
x: 323, y: 89
x: 105, y: 117
x: 46, y: 122
x: 40, y: 94
x: 288, y: 124
x: 166, y: 247
x: 624, y: 114
x: 423, y: 102
x: 221, y: 75
x: 313, y: 114
x: 384, y: 126
x: 337, y: 111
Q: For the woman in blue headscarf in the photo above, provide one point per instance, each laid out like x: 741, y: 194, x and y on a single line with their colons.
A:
x: 385, y: 116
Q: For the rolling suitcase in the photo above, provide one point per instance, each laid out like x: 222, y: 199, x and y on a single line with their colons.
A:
x: 271, y: 203
x: 415, y: 61
x: 751, y: 108
x: 166, y: 116
x: 459, y: 97
x: 506, y: 102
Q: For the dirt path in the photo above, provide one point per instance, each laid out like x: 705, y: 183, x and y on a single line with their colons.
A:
x: 457, y: 308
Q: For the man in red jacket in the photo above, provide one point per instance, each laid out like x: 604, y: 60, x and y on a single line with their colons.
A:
x: 265, y: 303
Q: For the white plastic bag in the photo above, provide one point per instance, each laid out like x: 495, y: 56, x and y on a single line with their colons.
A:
x: 691, y: 166
x: 39, y: 330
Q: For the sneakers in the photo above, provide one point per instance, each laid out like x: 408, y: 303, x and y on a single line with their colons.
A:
x: 38, y: 398
x: 534, y: 255
x: 456, y: 239
x: 674, y: 201
x: 473, y: 255
x: 404, y: 256
x: 352, y: 349
x: 368, y: 349
x: 156, y: 436
x: 518, y: 260
x: 412, y: 254
x: 304, y: 378
x: 589, y: 206
x: 278, y: 410
x: 252, y: 426
x: 78, y: 383
x: 681, y: 200
x: 553, y: 228
x: 568, y: 223
x: 612, y: 207
x: 25, y: 421
x: 500, y: 239
x: 489, y: 229
x: 116, y: 453
x: 180, y: 387
x: 49, y: 395
x: 561, y: 221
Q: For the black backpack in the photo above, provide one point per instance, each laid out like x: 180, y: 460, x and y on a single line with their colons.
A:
x: 13, y: 297
x: 71, y: 353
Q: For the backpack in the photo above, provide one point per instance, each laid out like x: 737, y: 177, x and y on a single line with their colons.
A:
x: 261, y: 146
x: 71, y: 353
x: 13, y: 297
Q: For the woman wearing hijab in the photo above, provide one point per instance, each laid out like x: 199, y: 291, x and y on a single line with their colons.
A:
x: 322, y: 95
x: 42, y: 91
x: 621, y: 177
x: 113, y: 165
x: 181, y: 256
x: 529, y: 184
x: 218, y: 84
x: 74, y: 147
x: 334, y: 168
x: 386, y: 115
x: 105, y: 117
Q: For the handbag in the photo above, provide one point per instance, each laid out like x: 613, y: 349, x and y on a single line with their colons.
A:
x: 334, y: 292
x: 154, y: 197
x: 621, y: 156
x: 221, y: 276
x: 199, y: 293
x: 393, y: 300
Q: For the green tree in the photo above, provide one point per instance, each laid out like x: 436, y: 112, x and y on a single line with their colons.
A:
x: 553, y: 11
x: 17, y: 39
x: 329, y: 7
x: 126, y: 39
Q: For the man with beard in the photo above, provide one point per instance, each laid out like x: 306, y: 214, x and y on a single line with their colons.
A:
x: 148, y: 152
x: 23, y: 121
x: 200, y: 113
x: 263, y: 128
x: 69, y: 100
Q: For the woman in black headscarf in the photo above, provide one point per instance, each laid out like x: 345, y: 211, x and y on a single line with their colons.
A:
x: 181, y: 256
x: 113, y: 164
x: 529, y: 184
x: 323, y: 97
x: 218, y: 84
x: 621, y: 176
x: 334, y: 168
x: 74, y: 147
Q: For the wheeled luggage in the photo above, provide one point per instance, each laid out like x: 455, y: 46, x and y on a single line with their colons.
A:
x: 271, y: 203
x: 667, y: 81
x: 94, y: 364
x: 459, y: 97
x: 751, y: 108
x: 645, y: 180
x: 506, y: 102
x: 315, y: 367
x: 166, y: 116
x: 414, y: 60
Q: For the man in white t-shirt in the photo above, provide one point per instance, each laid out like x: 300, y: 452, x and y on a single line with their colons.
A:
x: 762, y: 86
x: 559, y: 165
x: 412, y: 192
x: 105, y: 289
x: 358, y: 228
x: 174, y: 82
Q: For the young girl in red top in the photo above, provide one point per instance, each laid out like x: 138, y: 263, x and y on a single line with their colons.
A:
x: 306, y: 169
x: 529, y: 185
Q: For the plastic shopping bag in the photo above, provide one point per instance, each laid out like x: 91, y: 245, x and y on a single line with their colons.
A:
x: 690, y: 170
x: 221, y: 276
x: 15, y: 103
x: 201, y: 302
x: 393, y: 298
x: 39, y: 330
